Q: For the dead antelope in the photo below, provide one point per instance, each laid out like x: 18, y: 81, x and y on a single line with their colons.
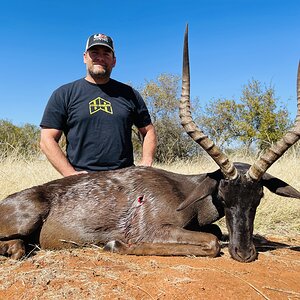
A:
x: 148, y: 211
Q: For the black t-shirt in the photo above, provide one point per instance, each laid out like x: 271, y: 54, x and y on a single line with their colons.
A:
x: 97, y: 122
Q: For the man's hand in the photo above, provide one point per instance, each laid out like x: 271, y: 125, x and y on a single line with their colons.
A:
x: 76, y: 173
x: 146, y: 162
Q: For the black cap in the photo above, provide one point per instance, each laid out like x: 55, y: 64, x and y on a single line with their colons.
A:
x: 99, y: 39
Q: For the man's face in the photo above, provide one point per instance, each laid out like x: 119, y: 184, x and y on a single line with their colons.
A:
x: 99, y: 61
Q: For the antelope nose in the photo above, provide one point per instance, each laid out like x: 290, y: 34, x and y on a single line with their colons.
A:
x: 246, y: 255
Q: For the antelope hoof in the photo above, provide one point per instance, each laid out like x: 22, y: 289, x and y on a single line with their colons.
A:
x: 115, y: 247
x: 213, y: 248
x: 14, y: 249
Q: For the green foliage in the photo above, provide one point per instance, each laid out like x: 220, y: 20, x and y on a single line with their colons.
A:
x: 254, y: 121
x: 220, y: 121
x: 162, y: 99
x: 261, y: 121
x: 162, y: 96
x: 23, y: 140
x: 172, y: 143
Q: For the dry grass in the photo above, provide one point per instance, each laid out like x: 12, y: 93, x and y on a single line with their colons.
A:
x: 275, y: 215
x: 18, y: 173
x: 279, y: 214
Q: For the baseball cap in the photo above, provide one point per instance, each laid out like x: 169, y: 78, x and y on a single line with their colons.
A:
x: 99, y: 39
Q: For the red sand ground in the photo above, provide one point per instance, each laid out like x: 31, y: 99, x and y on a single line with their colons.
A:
x: 90, y: 273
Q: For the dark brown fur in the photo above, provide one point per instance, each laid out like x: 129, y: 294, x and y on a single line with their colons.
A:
x: 132, y: 205
x: 136, y: 210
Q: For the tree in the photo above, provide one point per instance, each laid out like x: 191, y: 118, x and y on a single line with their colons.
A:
x: 19, y: 139
x: 255, y: 120
x: 220, y: 121
x: 262, y: 122
x: 162, y: 98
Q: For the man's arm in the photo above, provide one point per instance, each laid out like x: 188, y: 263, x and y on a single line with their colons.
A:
x: 149, y: 145
x: 49, y: 146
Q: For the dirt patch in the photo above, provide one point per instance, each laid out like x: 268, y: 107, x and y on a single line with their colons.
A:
x: 90, y: 273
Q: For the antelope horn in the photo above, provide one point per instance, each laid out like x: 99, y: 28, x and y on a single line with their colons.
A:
x: 259, y: 168
x: 227, y: 167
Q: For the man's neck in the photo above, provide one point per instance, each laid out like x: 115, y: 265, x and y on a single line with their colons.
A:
x: 97, y: 80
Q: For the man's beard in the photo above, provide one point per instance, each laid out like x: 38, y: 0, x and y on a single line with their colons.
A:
x: 97, y: 73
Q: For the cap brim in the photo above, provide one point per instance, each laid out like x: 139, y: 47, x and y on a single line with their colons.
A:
x: 100, y: 44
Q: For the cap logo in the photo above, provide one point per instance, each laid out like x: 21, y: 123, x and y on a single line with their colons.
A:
x: 101, y: 37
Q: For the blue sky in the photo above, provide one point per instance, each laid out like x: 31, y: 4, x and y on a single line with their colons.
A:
x: 231, y: 42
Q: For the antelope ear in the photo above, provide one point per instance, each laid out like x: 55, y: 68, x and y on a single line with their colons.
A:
x: 201, y: 191
x: 279, y: 187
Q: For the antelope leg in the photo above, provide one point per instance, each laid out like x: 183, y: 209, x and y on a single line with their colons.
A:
x: 178, y: 242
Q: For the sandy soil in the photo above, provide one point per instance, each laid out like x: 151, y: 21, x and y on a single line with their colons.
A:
x: 90, y: 273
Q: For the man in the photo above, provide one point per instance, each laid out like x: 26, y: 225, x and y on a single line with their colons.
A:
x: 96, y: 114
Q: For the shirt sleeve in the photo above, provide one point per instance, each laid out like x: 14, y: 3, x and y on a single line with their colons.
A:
x: 141, y: 117
x: 55, y: 113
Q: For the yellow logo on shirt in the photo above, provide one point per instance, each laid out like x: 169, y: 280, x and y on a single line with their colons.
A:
x: 100, y: 104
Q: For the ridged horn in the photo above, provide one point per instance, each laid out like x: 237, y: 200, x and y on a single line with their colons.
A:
x: 259, y: 168
x: 226, y: 166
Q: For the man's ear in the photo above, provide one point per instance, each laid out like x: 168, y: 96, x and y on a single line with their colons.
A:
x: 84, y: 56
